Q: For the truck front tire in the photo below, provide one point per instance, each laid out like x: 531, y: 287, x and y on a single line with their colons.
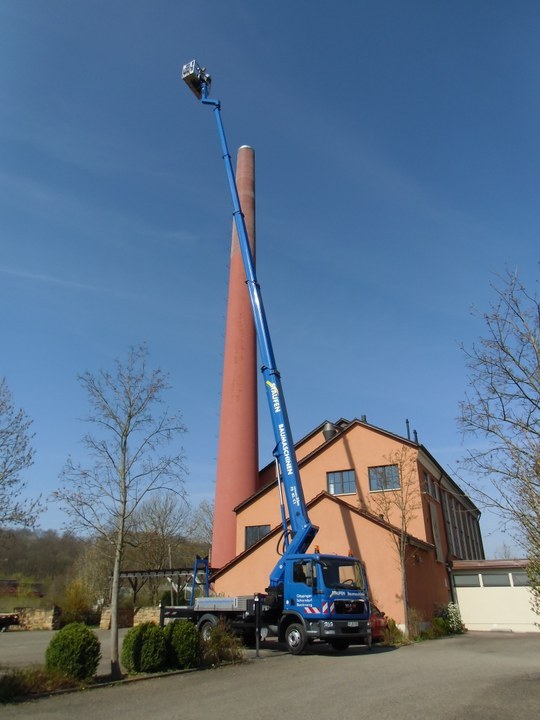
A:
x: 296, y: 638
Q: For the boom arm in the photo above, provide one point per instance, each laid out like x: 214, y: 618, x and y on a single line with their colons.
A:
x: 302, y: 530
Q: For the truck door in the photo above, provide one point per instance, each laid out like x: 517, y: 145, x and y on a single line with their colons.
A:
x: 303, y: 584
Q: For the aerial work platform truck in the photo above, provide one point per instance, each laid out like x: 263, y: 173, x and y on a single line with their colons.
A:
x: 310, y: 596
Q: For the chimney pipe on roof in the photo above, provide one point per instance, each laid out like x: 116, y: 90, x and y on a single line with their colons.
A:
x: 408, y: 429
x: 329, y: 430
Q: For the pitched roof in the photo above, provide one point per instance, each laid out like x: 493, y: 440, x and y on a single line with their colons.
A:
x: 343, y: 426
x: 321, y: 497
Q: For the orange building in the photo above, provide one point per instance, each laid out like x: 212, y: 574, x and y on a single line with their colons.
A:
x: 366, y: 489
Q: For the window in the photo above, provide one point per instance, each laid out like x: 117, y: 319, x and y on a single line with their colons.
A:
x: 342, y: 573
x: 383, y: 477
x: 466, y: 580
x: 495, y: 580
x: 341, y: 483
x: 436, y: 531
x: 430, y: 486
x: 303, y: 572
x: 254, y: 533
x: 520, y: 579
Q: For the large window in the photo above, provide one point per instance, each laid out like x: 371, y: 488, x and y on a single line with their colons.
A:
x: 254, y: 533
x: 341, y: 483
x: 383, y: 477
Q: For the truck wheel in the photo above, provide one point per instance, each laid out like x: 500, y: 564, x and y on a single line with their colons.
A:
x: 339, y: 644
x: 296, y: 638
x: 206, y: 625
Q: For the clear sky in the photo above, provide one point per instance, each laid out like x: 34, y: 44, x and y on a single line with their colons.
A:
x: 397, y: 161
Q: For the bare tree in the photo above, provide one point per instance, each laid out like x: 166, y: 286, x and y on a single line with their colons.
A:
x: 16, y: 454
x: 502, y: 410
x: 202, y: 523
x: 160, y: 528
x: 397, y: 503
x: 93, y: 569
x: 124, y: 460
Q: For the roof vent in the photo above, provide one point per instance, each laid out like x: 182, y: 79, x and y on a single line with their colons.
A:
x: 329, y: 430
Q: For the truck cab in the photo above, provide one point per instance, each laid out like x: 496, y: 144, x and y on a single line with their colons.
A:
x: 324, y: 597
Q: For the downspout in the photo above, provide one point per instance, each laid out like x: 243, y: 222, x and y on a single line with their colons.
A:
x: 448, y: 562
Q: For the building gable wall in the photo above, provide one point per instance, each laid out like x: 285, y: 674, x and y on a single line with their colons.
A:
x: 344, y: 528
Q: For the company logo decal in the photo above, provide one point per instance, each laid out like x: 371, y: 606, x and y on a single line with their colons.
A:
x: 274, y: 392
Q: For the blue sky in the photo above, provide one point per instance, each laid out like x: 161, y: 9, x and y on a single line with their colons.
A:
x: 397, y: 161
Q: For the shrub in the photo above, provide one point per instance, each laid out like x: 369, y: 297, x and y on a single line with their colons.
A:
x: 414, y: 623
x: 184, y: 644
x: 451, y: 616
x: 455, y: 624
x: 439, y: 627
x: 130, y: 654
x: 76, y: 607
x: 74, y: 652
x: 223, y: 645
x: 21, y: 682
x: 392, y: 635
x: 144, y: 649
x: 153, y: 650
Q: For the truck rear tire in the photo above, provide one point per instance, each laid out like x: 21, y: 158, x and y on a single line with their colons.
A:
x: 296, y: 638
x: 206, y: 625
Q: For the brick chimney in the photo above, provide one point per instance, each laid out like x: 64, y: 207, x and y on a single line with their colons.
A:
x: 237, y: 460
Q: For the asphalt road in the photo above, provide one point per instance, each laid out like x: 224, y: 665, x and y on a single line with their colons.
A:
x: 477, y: 676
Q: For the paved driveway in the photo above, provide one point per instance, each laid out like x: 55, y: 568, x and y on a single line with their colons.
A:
x: 477, y: 676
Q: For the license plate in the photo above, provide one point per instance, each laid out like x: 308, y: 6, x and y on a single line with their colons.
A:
x: 352, y: 623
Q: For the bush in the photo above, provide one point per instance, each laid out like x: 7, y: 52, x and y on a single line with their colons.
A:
x: 223, y: 645
x: 415, y: 621
x: 184, y: 644
x: 451, y: 616
x: 74, y: 652
x: 439, y: 627
x: 454, y: 619
x: 76, y: 607
x: 392, y: 635
x: 18, y: 683
x: 144, y: 649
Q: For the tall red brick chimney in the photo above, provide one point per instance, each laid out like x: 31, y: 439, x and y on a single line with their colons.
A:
x: 238, y: 460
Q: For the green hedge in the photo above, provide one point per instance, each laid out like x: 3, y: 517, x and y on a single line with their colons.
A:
x: 148, y: 648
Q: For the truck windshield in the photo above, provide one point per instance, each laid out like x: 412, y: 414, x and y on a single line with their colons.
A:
x: 343, y: 573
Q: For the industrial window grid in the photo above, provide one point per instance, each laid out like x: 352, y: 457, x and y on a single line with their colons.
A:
x: 254, y: 533
x: 341, y: 482
x: 383, y: 477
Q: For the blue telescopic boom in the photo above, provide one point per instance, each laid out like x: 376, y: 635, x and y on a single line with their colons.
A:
x: 302, y: 530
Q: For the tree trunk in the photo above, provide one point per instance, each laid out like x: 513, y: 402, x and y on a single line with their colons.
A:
x: 116, y: 671
x: 403, y: 563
